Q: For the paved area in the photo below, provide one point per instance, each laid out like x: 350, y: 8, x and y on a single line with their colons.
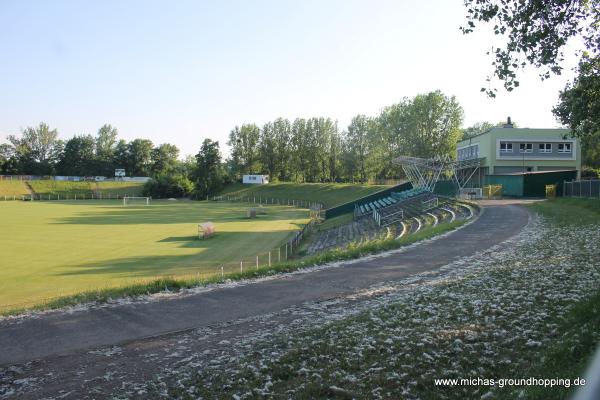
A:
x: 67, y: 334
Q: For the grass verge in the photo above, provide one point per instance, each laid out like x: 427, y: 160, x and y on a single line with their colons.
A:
x: 177, y: 284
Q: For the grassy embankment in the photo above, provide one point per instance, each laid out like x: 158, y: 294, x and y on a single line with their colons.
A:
x: 85, y: 189
x: 329, y: 194
x: 63, y: 189
x: 13, y: 188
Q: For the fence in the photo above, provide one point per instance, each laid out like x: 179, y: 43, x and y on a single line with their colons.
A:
x: 72, y: 178
x: 584, y: 188
x: 55, y: 197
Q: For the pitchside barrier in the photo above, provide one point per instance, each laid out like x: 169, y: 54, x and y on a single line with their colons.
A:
x: 55, y: 197
x: 588, y: 188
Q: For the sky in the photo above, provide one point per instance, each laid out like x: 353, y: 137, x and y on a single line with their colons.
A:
x: 182, y: 71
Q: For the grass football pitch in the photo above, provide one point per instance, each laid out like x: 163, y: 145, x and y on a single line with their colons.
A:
x: 50, y: 249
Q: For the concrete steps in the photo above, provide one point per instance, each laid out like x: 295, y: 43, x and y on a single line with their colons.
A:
x: 365, y: 229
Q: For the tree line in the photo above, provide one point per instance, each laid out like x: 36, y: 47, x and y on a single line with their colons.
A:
x: 315, y: 150
x: 39, y: 151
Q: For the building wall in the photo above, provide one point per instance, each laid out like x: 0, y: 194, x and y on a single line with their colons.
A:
x: 489, y: 142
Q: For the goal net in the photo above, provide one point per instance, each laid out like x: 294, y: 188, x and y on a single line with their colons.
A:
x: 136, y: 200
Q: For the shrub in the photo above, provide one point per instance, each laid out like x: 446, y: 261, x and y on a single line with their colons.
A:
x: 165, y: 186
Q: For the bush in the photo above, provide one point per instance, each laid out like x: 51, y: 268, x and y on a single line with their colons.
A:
x: 590, y: 173
x: 166, y: 186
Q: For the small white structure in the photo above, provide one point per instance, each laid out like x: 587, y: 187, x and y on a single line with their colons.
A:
x: 256, y: 179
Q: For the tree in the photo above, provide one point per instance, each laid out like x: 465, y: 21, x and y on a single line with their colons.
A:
x: 139, y: 153
x: 579, y: 102
x: 106, y: 141
x: 537, y: 30
x: 301, y: 156
x: 37, y: 149
x: 267, y: 150
x: 78, y: 157
x: 433, y: 124
x: 357, y: 140
x: 121, y: 156
x: 244, y: 148
x: 209, y: 173
x: 282, y: 133
x: 7, y: 158
x: 164, y: 159
x: 478, y: 128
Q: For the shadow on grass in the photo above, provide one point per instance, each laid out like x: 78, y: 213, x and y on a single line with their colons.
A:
x: 178, y: 213
x: 224, y: 248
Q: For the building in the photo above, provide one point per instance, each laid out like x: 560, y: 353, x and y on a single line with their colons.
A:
x: 513, y: 151
x: 507, y: 150
x: 256, y: 179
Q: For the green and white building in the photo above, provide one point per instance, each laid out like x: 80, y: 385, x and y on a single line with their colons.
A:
x: 508, y: 151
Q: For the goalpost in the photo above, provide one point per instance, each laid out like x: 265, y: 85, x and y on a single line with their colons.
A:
x: 127, y: 200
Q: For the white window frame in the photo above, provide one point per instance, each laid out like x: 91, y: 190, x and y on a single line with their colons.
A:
x: 545, y: 147
x: 525, y: 148
x: 506, y: 147
x: 566, y: 148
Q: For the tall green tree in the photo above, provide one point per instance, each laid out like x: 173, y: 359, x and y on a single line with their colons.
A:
x: 121, y: 157
x: 244, y: 149
x: 282, y: 134
x: 579, y: 102
x: 267, y: 150
x: 164, y: 159
x: 140, y: 157
x: 434, y: 125
x: 535, y: 33
x: 209, y: 173
x: 78, y: 157
x: 358, y: 146
x: 106, y: 140
x: 37, y: 149
x: 301, y: 157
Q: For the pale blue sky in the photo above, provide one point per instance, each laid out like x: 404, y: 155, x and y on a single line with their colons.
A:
x: 181, y: 71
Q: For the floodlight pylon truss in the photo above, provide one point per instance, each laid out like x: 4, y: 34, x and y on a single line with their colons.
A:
x: 424, y: 173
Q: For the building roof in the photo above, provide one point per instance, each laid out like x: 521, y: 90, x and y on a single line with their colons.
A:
x: 525, y: 131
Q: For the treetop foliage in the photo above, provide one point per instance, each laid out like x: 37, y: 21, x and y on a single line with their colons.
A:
x: 536, y: 32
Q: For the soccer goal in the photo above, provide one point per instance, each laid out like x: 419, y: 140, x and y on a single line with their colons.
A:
x: 136, y: 200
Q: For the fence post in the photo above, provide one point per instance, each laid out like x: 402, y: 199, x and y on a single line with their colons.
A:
x: 256, y: 262
x: 222, y: 272
x: 286, y: 255
x: 269, y: 258
x: 242, y: 266
x: 279, y: 254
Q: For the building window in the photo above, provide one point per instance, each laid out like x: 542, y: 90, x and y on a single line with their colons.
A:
x: 506, y: 147
x: 564, y: 147
x: 526, y: 148
x: 545, y: 147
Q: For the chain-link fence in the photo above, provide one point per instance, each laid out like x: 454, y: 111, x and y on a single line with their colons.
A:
x: 584, y: 188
